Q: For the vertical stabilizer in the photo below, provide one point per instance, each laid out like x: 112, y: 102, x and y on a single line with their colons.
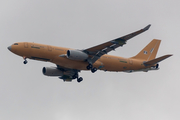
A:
x: 149, y: 52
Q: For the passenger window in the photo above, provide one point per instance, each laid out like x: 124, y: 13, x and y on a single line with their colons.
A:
x: 15, y: 43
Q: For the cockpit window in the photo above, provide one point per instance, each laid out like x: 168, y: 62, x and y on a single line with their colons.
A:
x: 15, y: 43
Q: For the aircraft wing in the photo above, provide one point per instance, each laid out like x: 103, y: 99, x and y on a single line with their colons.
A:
x: 99, y: 50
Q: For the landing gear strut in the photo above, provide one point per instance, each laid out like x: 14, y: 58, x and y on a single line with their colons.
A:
x: 90, y: 66
x: 75, y: 76
x: 25, y: 61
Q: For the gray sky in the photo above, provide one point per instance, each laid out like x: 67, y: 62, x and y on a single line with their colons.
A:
x: 26, y: 94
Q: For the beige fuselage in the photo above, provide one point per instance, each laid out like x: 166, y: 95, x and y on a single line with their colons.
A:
x: 57, y: 55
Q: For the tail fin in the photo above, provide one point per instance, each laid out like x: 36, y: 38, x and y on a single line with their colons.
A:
x: 149, y: 52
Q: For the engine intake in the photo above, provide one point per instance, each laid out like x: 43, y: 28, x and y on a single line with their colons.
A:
x: 76, y: 55
x: 52, y: 71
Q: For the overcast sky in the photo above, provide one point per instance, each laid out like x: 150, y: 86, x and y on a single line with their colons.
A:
x: 26, y: 94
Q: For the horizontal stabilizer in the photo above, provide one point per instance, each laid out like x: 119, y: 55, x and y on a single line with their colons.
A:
x: 154, y: 61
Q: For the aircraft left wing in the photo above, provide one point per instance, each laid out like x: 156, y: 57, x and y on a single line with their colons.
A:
x: 99, y: 50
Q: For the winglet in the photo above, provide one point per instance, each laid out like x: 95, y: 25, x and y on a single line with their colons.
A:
x: 147, y: 27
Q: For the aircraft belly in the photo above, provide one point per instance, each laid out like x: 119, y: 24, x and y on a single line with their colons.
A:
x: 113, y: 65
x: 41, y: 55
x: 137, y: 65
x: 72, y: 64
x: 121, y: 64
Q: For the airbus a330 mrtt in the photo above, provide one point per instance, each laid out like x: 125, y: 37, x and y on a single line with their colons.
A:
x: 70, y: 62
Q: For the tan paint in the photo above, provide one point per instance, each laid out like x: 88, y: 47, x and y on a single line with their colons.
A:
x: 149, y: 52
x: 52, y: 54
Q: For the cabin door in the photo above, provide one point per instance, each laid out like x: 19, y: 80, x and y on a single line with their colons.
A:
x: 49, y: 48
x: 26, y: 45
x: 130, y: 62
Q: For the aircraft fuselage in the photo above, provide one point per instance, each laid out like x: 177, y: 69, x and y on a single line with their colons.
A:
x: 57, y: 55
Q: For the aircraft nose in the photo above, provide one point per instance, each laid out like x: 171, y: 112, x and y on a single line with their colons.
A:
x: 9, y: 48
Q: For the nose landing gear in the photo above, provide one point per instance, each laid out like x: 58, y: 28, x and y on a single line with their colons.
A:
x: 25, y: 61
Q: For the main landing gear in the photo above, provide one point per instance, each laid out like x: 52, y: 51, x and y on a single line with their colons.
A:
x: 93, y: 70
x: 76, y: 76
x: 79, y: 79
x: 90, y: 67
x: 25, y: 61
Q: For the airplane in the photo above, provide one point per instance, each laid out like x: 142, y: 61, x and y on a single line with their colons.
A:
x: 69, y: 62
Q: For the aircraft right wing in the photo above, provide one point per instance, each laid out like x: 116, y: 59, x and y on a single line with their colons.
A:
x: 99, y: 50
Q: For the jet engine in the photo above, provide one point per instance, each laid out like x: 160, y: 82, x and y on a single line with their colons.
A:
x: 52, y: 71
x: 76, y: 55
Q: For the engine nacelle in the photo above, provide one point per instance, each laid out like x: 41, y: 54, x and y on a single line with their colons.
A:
x: 52, y: 71
x: 76, y: 55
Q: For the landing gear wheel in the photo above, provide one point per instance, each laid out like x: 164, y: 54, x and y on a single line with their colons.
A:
x: 157, y: 66
x: 80, y: 79
x: 25, y: 62
x: 90, y: 66
x: 93, y: 70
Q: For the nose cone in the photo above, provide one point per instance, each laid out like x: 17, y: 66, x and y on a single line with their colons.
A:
x: 9, y: 48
